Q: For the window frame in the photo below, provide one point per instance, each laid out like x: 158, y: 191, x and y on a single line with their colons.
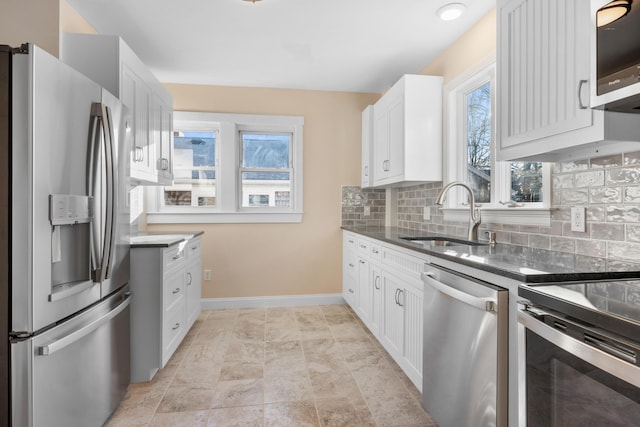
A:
x: 228, y: 207
x: 455, y: 157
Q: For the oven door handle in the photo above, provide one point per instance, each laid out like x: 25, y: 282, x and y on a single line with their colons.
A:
x: 486, y: 304
x: 597, y: 357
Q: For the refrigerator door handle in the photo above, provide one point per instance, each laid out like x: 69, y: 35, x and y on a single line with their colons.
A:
x: 49, y: 349
x: 101, y: 114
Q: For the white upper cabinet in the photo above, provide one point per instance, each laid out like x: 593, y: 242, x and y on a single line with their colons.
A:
x: 111, y: 63
x: 367, y: 141
x: 407, y: 132
x: 544, y: 87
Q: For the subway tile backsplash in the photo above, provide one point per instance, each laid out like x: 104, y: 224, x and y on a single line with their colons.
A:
x: 354, y: 201
x: 608, y: 186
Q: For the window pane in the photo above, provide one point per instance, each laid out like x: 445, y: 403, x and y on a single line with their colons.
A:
x: 270, y: 189
x: 526, y: 182
x: 264, y: 150
x: 194, y: 174
x: 478, y: 137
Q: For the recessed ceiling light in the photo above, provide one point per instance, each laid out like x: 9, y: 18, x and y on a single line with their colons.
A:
x: 612, y: 12
x: 450, y: 11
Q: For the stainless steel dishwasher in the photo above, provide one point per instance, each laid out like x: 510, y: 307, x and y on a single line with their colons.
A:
x: 465, y: 357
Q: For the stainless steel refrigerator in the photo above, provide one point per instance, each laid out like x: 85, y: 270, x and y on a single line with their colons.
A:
x: 64, y: 244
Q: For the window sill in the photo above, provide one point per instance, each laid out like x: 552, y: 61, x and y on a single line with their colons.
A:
x: 224, y: 218
x: 516, y: 216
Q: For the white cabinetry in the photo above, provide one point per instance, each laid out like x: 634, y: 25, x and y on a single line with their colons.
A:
x: 349, y: 269
x: 543, y: 85
x: 388, y: 297
x: 165, y: 282
x: 367, y: 152
x: 407, y: 132
x: 111, y: 63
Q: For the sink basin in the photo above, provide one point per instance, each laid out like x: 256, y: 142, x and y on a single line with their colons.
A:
x: 442, y: 241
x: 158, y: 238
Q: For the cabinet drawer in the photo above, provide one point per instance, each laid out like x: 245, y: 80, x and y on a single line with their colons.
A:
x: 375, y: 251
x: 173, y: 256
x: 193, y: 248
x: 349, y: 242
x: 172, y: 329
x: 173, y: 287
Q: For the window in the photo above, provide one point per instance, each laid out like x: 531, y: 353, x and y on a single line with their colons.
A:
x: 232, y: 168
x: 194, y: 169
x: 508, y: 192
x: 265, y: 168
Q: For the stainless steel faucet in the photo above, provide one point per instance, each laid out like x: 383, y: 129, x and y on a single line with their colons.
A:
x: 474, y: 212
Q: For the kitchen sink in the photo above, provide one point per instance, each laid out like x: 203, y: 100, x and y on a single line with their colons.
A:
x: 442, y: 241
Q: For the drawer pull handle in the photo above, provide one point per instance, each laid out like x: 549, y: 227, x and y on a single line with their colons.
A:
x: 375, y: 251
x: 176, y: 326
x: 190, y: 279
x: 177, y: 257
x: 176, y: 290
x: 351, y: 290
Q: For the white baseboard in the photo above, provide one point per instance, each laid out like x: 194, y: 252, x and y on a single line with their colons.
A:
x: 274, y: 301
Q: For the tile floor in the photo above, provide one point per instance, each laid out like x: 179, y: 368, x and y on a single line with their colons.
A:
x: 290, y: 366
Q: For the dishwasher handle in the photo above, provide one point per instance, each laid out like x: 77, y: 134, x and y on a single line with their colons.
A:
x: 486, y: 304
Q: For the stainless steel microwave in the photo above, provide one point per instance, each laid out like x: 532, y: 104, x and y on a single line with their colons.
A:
x: 615, y: 53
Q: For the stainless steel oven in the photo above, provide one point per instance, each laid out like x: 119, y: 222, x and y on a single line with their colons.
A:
x: 580, y: 354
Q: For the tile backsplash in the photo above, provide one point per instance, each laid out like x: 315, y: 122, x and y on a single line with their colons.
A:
x: 354, y: 203
x: 608, y: 187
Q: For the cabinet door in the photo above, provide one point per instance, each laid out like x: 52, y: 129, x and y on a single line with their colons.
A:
x: 411, y: 300
x: 376, y: 301
x: 136, y: 96
x: 380, y: 142
x: 162, y: 131
x: 393, y: 316
x: 364, y: 290
x: 194, y: 290
x: 543, y: 72
x: 395, y: 164
x: 367, y: 149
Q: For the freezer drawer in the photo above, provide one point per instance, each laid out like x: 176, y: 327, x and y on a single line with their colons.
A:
x: 76, y: 373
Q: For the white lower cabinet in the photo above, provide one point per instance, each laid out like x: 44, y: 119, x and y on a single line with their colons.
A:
x: 387, y: 296
x: 165, y: 282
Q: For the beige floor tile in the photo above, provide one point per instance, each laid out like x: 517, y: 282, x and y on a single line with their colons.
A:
x: 291, y: 414
x: 241, y: 370
x: 287, y: 365
x: 180, y: 419
x: 297, y: 366
x: 243, y: 416
x: 186, y: 398
x: 238, y: 393
x: 287, y: 389
x: 343, y: 413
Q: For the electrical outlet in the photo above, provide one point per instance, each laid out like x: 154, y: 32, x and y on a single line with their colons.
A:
x: 367, y: 211
x: 207, y: 275
x: 426, y: 213
x: 578, y: 222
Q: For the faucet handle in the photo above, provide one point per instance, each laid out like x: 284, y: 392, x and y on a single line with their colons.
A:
x: 492, y: 237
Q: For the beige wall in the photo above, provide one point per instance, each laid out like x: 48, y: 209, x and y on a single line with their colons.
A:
x: 284, y: 259
x: 33, y: 21
x: 471, y: 48
x: 40, y: 22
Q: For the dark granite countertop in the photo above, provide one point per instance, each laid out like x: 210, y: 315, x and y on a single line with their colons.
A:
x: 164, y: 239
x: 530, y: 265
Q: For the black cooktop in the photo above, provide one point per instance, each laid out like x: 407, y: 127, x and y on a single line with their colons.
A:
x: 609, y: 305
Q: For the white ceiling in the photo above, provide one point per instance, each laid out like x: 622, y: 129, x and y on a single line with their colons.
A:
x: 342, y: 45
